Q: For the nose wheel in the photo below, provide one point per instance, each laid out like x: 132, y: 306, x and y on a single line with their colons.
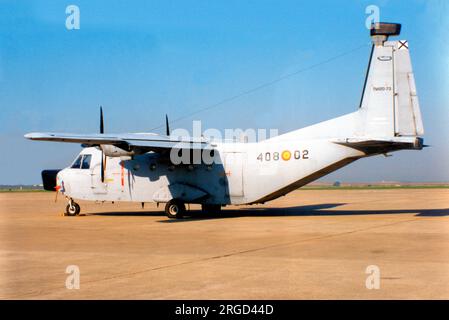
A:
x: 175, y: 209
x: 72, y: 209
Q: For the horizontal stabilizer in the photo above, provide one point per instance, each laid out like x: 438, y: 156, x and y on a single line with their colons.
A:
x: 378, y: 146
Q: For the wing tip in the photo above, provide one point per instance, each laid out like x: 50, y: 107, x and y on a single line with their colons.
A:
x: 30, y: 135
x: 35, y: 135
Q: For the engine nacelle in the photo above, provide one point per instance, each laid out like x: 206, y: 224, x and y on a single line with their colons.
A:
x: 113, y: 151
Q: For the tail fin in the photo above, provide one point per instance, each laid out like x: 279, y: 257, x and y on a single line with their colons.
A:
x: 389, y: 104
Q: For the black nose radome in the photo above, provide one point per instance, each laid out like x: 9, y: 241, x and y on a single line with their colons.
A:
x: 49, y: 179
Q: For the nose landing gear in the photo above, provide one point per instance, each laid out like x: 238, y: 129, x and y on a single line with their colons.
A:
x: 72, y: 209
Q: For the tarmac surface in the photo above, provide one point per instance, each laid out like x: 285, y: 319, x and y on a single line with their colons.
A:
x: 310, y: 244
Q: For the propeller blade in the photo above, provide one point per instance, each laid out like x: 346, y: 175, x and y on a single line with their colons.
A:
x: 101, y: 120
x: 103, y: 158
x: 102, y: 166
x: 105, y: 163
x: 167, y: 128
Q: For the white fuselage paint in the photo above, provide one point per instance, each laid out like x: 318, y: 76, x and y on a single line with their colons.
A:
x: 245, y: 175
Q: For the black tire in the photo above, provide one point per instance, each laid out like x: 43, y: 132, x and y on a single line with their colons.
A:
x: 211, y: 208
x: 73, y: 210
x: 175, y: 209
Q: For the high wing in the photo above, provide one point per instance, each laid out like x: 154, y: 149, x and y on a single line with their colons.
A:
x: 138, y: 142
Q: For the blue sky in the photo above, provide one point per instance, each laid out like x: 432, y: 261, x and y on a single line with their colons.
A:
x: 142, y: 59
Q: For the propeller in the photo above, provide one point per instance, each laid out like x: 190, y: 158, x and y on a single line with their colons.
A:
x: 101, y: 120
x: 167, y: 128
x: 103, y: 158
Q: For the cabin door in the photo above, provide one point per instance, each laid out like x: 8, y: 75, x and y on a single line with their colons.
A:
x: 98, y: 187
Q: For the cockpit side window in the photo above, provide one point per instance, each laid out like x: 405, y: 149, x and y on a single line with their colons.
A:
x: 85, y: 164
x: 77, y: 163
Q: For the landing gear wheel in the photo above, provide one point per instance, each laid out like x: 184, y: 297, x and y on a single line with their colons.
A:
x: 211, y: 208
x: 72, y: 209
x: 175, y: 209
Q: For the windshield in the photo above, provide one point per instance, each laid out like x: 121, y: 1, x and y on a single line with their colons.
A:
x: 77, y: 163
x: 85, y: 164
x: 82, y: 162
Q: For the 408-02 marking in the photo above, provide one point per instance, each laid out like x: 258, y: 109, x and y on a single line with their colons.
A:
x: 284, y: 155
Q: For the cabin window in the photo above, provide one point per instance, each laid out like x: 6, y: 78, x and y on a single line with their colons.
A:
x: 77, y: 163
x: 85, y: 164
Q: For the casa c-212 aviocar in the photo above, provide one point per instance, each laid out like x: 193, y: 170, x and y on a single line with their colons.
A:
x: 138, y: 166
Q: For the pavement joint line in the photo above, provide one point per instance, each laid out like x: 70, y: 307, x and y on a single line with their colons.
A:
x: 130, y: 274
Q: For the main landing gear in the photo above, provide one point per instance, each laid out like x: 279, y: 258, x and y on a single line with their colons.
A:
x: 72, y: 209
x: 175, y: 209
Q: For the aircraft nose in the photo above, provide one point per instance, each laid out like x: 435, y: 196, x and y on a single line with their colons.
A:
x: 61, y: 181
x: 59, y: 176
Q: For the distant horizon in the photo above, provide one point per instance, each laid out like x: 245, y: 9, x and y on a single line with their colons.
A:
x: 312, y: 183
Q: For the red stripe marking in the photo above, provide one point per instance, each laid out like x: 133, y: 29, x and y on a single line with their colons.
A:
x: 122, y: 173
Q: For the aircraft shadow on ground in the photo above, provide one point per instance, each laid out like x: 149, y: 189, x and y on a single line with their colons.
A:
x: 311, y: 210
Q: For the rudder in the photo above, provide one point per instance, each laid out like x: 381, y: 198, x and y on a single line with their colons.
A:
x: 408, y: 121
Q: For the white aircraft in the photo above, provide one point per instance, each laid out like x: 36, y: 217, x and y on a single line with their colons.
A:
x: 139, y: 167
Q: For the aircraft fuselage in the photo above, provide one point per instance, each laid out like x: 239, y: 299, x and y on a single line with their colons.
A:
x: 241, y: 173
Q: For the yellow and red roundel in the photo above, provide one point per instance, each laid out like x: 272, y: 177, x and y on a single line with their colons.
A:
x: 286, y: 155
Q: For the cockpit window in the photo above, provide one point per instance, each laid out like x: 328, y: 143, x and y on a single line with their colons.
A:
x: 82, y: 162
x: 85, y: 164
x: 77, y: 163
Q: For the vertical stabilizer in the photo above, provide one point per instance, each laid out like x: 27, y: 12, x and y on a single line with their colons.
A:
x: 389, y: 105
